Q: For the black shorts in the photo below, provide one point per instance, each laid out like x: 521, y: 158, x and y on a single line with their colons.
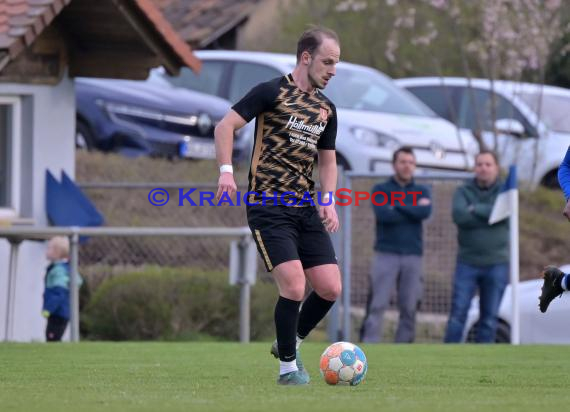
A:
x: 284, y: 233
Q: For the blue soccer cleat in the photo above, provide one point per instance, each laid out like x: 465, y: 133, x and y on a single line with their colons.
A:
x: 275, y: 352
x: 293, y: 378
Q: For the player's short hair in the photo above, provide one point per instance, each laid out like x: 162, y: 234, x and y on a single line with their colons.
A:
x: 61, y: 244
x: 312, y: 38
x: 488, y: 152
x: 403, y: 149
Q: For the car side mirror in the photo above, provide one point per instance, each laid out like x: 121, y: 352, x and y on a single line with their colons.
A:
x: 510, y: 126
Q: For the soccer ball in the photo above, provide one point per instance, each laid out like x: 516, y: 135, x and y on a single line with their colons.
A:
x: 343, y: 363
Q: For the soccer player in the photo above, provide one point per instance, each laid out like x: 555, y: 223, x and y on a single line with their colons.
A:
x: 295, y: 123
x: 557, y: 282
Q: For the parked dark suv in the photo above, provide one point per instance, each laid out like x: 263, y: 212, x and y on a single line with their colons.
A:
x: 138, y: 118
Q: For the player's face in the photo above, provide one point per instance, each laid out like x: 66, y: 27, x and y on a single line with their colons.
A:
x: 486, y: 170
x: 322, y: 64
x: 51, y: 251
x: 405, y: 166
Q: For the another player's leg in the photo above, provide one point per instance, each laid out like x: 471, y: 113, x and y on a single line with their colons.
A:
x: 555, y: 283
x: 290, y: 280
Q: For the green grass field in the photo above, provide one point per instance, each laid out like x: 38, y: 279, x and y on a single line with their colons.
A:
x: 233, y: 377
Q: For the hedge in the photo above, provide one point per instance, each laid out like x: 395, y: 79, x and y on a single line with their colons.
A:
x: 175, y: 304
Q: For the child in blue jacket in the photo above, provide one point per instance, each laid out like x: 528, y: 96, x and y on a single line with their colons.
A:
x: 56, y: 306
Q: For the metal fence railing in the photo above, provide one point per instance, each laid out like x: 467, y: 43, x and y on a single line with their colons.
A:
x: 440, y: 249
x: 242, y: 262
x: 127, y: 204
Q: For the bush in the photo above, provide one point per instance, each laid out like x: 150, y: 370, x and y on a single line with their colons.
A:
x: 175, y: 304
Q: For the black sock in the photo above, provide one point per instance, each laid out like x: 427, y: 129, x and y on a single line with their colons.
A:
x: 313, y: 311
x: 286, y: 317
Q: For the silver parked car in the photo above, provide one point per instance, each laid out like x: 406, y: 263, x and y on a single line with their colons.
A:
x: 375, y: 117
x: 532, y: 122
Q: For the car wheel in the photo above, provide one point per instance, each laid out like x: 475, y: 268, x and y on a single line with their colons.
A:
x: 84, y: 138
x: 503, y: 334
x: 550, y: 180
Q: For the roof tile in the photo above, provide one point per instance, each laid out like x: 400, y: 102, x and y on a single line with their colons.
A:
x: 198, y: 20
x: 17, y: 31
x: 168, y: 33
x: 40, y: 2
x: 36, y: 11
x: 16, y: 9
x: 21, y: 21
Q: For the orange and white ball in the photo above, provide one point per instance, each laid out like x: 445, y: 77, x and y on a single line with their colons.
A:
x: 343, y: 363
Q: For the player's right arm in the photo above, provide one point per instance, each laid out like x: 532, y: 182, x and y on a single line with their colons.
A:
x: 259, y: 99
x: 224, y: 141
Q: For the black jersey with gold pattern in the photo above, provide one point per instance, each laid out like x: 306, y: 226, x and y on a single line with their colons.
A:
x: 291, y: 125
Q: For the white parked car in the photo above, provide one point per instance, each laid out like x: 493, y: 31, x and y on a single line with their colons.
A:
x: 535, y: 327
x: 374, y: 116
x: 531, y: 119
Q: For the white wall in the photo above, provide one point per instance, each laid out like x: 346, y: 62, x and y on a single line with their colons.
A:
x: 48, y: 143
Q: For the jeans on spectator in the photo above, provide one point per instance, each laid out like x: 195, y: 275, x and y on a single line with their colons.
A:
x: 491, y: 281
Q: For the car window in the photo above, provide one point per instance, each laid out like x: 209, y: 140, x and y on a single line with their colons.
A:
x: 372, y: 91
x: 551, y: 109
x: 476, y: 104
x: 208, y: 81
x: 438, y: 98
x: 247, y: 75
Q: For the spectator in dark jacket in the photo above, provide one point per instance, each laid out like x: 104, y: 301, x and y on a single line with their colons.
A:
x: 483, y: 258
x: 56, y: 294
x: 398, y: 249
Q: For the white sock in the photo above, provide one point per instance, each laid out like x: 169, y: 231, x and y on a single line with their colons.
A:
x: 564, y: 282
x: 298, y: 343
x: 286, y: 367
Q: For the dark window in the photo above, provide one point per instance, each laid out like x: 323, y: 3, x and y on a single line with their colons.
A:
x: 476, y: 111
x: 441, y: 99
x: 371, y: 90
x: 5, y: 126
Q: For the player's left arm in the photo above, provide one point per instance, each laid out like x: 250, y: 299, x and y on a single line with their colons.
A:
x: 327, y: 170
x: 328, y: 176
